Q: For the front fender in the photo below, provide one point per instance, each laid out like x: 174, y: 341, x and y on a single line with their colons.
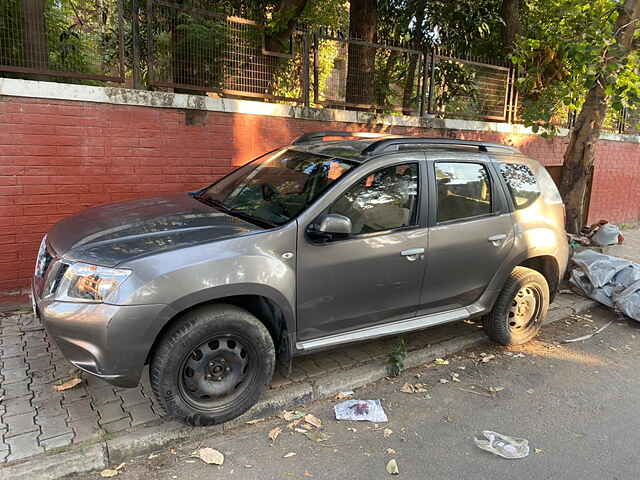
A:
x: 248, y: 265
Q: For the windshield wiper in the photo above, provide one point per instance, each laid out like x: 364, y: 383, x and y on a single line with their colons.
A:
x: 236, y: 213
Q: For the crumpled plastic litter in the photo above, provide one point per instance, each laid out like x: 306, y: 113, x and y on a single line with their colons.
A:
x: 607, y: 234
x: 503, y: 445
x: 370, y: 410
x: 612, y: 281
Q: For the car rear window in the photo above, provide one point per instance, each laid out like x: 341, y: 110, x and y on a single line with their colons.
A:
x: 522, y: 184
x: 528, y: 182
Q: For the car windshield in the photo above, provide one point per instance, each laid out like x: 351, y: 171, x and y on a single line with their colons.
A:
x: 275, y: 188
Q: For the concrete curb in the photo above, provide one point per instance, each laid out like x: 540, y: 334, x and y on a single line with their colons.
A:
x: 112, y: 451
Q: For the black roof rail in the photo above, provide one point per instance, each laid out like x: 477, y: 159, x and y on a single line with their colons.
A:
x: 381, y: 145
x: 315, y: 136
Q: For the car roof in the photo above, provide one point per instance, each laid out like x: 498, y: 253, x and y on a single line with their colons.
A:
x: 361, y: 147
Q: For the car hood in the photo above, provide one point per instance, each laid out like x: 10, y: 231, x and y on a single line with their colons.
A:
x: 111, y: 234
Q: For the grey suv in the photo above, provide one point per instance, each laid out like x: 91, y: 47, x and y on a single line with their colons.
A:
x: 316, y: 244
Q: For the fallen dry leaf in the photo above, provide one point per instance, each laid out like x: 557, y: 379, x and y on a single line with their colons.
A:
x: 407, y: 388
x: 289, y: 455
x: 313, y: 420
x: 108, y: 473
x: 390, y: 451
x: 68, y: 385
x: 488, y: 358
x: 210, y: 456
x: 387, y: 432
x: 289, y: 415
x: 413, y: 388
x: 308, y: 474
x: 257, y: 420
x: 343, y: 395
x: 392, y: 467
x: 111, y: 472
x: 273, y: 434
x: 441, y: 361
x: 294, y: 424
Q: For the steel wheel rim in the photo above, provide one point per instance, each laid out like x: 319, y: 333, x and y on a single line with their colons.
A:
x: 216, y: 372
x: 525, y: 309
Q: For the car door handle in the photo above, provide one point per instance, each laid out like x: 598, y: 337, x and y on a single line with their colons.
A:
x: 497, y: 240
x: 412, y: 254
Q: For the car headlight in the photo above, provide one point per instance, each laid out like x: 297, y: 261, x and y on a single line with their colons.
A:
x: 82, y: 282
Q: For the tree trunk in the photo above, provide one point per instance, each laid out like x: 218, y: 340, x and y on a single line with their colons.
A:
x: 408, y: 96
x: 512, y: 25
x: 580, y: 154
x: 286, y: 16
x: 35, y: 35
x: 363, y: 20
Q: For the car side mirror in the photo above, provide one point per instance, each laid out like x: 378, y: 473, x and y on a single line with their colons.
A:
x: 335, y: 224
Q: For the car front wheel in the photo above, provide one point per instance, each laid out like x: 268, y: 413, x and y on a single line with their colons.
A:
x: 212, y: 365
x: 520, y: 308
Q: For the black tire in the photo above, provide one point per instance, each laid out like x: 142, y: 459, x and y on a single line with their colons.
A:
x: 212, y: 365
x: 520, y: 308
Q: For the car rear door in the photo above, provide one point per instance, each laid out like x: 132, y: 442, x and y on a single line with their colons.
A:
x: 471, y: 232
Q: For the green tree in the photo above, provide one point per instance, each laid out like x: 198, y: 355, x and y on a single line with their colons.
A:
x: 578, y: 56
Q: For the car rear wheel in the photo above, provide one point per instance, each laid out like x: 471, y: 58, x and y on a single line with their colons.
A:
x: 212, y: 365
x: 520, y: 309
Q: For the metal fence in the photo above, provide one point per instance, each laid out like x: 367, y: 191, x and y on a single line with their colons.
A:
x: 62, y: 39
x: 193, y: 49
x: 186, y: 46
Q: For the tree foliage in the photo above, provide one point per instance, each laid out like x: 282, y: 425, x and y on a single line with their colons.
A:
x: 561, y: 54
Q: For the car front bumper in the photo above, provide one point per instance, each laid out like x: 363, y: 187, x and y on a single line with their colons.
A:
x: 111, y: 342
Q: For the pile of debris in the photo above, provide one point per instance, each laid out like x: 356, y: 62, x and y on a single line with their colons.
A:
x: 599, y: 234
x: 612, y: 281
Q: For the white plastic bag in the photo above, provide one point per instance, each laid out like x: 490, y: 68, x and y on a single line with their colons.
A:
x: 370, y: 410
x: 503, y: 445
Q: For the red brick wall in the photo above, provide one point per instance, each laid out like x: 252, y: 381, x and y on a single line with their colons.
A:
x: 59, y: 157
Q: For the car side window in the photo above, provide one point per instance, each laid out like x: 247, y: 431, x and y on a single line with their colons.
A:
x: 464, y: 190
x: 384, y: 200
x: 522, y: 184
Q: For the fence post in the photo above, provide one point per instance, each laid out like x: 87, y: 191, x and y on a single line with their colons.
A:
x: 511, y: 95
x: 135, y: 38
x: 316, y: 87
x: 121, y: 40
x: 305, y: 69
x: 424, y: 81
x: 432, y: 72
x: 622, y: 121
x: 150, y: 72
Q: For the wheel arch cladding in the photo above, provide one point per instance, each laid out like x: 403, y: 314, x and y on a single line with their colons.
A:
x: 269, y: 311
x: 548, y: 266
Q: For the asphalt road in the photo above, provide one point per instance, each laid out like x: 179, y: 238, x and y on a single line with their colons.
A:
x: 577, y: 404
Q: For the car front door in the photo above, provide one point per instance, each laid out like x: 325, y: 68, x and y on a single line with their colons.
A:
x: 373, y: 275
x: 470, y: 237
